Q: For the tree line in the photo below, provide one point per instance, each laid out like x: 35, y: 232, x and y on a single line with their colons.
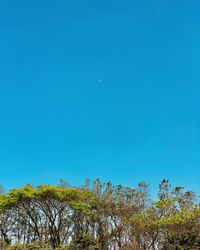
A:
x: 99, y: 216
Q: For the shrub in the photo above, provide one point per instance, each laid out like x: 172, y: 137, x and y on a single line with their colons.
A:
x: 85, y: 242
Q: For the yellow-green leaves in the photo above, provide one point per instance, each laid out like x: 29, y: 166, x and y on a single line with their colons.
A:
x: 42, y: 192
x: 102, y: 217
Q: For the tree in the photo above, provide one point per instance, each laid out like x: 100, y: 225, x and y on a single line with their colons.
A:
x: 99, y: 216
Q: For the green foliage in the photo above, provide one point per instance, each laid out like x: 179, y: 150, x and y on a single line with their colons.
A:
x: 177, y: 241
x: 30, y: 246
x: 86, y: 242
x: 99, y: 217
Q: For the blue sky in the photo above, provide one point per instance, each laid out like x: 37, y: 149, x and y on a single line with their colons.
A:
x: 57, y: 120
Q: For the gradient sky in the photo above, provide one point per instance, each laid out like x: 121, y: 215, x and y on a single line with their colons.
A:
x: 141, y: 122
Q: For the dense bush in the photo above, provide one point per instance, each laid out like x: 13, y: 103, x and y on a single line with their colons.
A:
x: 86, y: 242
x: 24, y: 246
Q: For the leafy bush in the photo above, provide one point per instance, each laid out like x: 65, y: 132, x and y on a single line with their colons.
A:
x: 31, y: 246
x: 85, y: 242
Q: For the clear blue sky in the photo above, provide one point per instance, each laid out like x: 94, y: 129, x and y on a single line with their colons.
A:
x: 57, y: 120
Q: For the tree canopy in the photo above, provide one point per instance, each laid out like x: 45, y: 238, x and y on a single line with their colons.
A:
x: 99, y: 216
